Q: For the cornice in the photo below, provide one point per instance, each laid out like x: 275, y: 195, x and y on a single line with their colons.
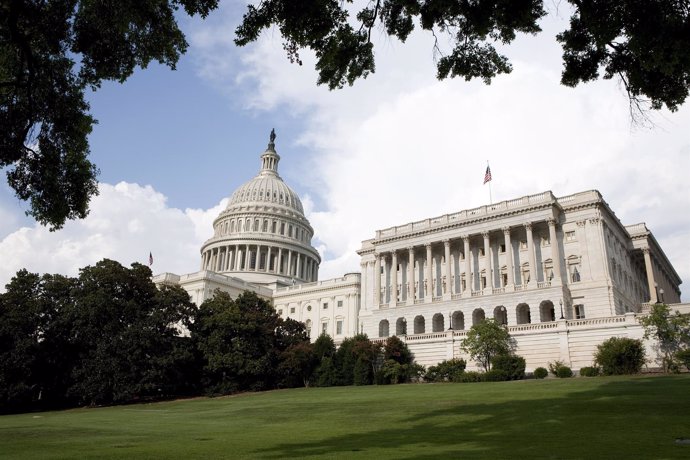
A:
x: 314, y: 289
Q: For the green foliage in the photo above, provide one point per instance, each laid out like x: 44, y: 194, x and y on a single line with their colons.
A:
x: 51, y: 54
x: 540, y: 373
x: 589, y: 371
x: 670, y: 332
x: 684, y: 357
x: 486, y: 340
x: 445, y: 371
x: 469, y: 377
x: 620, y: 355
x: 560, y: 370
x: 297, y: 364
x: 397, y: 350
x: 324, y: 346
x: 512, y: 366
x: 326, y: 374
x: 350, y: 351
x: 496, y: 375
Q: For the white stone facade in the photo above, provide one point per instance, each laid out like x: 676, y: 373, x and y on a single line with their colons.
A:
x: 563, y: 274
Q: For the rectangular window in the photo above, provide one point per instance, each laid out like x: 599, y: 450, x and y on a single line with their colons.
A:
x: 292, y: 309
x: 325, y: 305
x: 545, y: 242
x: 282, y: 228
x: 523, y: 244
x: 481, y: 252
x: 340, y: 303
x: 483, y: 282
x: 324, y: 327
x: 570, y: 236
x: 502, y: 248
x: 339, y: 327
x: 280, y: 312
x: 579, y: 311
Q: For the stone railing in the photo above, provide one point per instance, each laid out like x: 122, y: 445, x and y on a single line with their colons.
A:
x: 533, y: 327
x: 317, y: 284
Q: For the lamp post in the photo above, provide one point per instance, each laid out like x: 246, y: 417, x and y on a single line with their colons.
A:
x: 404, y: 324
x: 661, y: 293
x: 450, y: 321
x: 561, y: 304
x: 656, y: 291
x: 504, y: 317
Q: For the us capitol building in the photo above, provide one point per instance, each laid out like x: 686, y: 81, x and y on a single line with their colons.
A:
x: 562, y: 273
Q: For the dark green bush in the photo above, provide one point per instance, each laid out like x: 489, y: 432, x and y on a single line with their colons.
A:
x: 496, y: 375
x: 469, y: 377
x: 684, y: 357
x: 445, y: 371
x: 620, y: 355
x: 563, y: 372
x: 540, y: 373
x: 589, y: 371
x: 512, y: 366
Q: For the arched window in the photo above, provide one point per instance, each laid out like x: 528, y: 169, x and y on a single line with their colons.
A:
x: 419, y: 327
x: 383, y: 328
x: 478, y: 316
x: 547, y: 311
x: 523, y: 314
x: 265, y: 225
x: 501, y: 315
x: 458, y: 321
x: 437, y: 323
x: 401, y: 327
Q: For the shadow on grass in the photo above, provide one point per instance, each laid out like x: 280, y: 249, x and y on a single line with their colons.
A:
x: 635, y: 418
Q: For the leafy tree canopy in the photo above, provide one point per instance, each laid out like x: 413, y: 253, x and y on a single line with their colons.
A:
x: 51, y: 52
x: 670, y: 332
x: 485, y: 340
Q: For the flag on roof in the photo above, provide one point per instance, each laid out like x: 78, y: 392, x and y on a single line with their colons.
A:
x: 487, y: 175
x: 150, y: 259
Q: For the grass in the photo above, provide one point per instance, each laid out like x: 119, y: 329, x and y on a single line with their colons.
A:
x: 604, y: 417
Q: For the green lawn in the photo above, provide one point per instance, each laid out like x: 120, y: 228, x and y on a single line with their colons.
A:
x: 616, y: 417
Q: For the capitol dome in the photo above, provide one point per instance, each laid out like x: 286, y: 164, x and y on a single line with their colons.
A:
x: 262, y: 236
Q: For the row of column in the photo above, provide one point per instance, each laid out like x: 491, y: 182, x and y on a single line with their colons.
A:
x: 277, y: 260
x: 380, y: 260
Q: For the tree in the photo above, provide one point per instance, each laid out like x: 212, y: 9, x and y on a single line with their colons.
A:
x: 485, y: 340
x: 670, y: 332
x: 52, y: 52
x: 297, y: 364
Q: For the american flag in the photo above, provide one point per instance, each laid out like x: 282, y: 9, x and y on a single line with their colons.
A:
x: 487, y: 175
x: 150, y: 259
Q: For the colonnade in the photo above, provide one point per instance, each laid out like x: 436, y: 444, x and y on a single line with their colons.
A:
x: 260, y: 258
x: 426, y: 278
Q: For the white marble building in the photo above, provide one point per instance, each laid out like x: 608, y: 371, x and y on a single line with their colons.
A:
x: 562, y: 273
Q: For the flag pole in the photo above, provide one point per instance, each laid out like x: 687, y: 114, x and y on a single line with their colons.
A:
x: 491, y: 199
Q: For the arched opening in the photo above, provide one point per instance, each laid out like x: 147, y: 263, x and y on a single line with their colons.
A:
x: 437, y: 323
x: 501, y: 315
x: 401, y: 326
x: 383, y: 328
x: 523, y: 314
x: 458, y: 321
x: 478, y: 316
x: 547, y: 311
x: 419, y: 325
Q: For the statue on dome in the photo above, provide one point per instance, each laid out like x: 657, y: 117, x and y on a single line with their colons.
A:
x: 273, y: 135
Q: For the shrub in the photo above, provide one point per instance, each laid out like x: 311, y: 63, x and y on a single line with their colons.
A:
x: 564, y: 372
x: 684, y: 357
x: 589, y: 371
x: 540, y: 373
x: 496, y: 375
x: 512, y: 366
x: 469, y: 377
x: 445, y: 370
x: 620, y: 355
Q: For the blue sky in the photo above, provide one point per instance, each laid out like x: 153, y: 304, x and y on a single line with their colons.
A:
x: 397, y: 147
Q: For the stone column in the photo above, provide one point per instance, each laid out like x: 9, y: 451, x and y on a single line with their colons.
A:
x: 298, y: 270
x: 651, y: 283
x: 377, y: 280
x: 289, y: 265
x: 279, y: 267
x: 257, y: 264
x: 509, y: 256
x: 530, y: 254
x: 429, y: 289
x: 555, y: 252
x: 268, y: 259
x: 468, y: 274
x: 394, y: 278
x: 487, y: 259
x: 410, y: 276
x: 363, y: 281
x: 449, y: 284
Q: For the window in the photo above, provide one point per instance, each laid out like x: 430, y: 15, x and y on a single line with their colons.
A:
x: 523, y: 244
x: 308, y: 307
x: 340, y: 303
x: 575, y: 274
x: 280, y: 312
x: 579, y: 311
x: 292, y: 309
x: 282, y: 228
x: 502, y: 248
x: 339, y: 327
x: 274, y: 226
x: 324, y: 327
x: 545, y: 241
x: 325, y: 305
x: 570, y: 236
x: 265, y: 226
x: 481, y: 252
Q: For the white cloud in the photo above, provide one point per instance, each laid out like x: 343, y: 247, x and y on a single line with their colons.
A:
x: 402, y: 146
x: 126, y: 222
